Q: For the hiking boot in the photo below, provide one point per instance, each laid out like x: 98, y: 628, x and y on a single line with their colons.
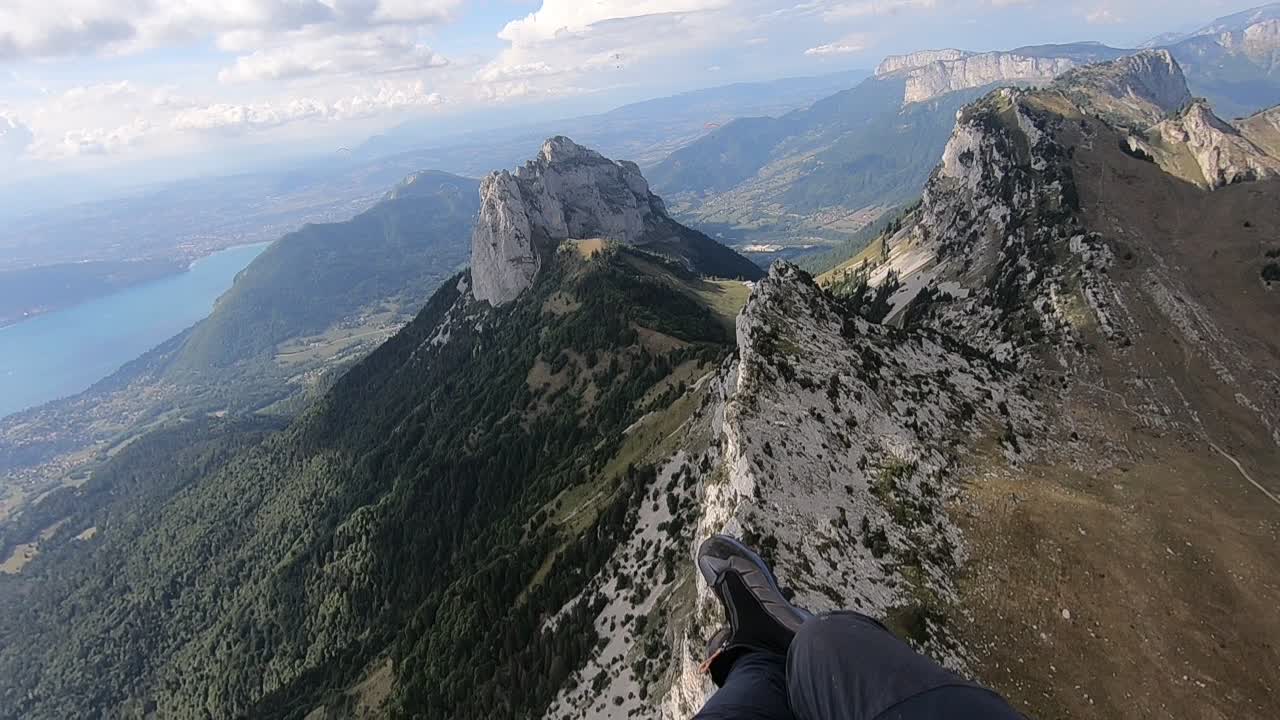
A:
x: 760, y: 618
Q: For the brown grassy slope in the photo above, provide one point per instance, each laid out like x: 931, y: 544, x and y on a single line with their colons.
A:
x: 1159, y: 550
x: 1263, y: 130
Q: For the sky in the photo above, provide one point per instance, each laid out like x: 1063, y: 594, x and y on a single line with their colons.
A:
x: 153, y: 88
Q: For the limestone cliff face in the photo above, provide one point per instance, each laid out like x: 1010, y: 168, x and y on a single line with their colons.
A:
x: 827, y: 442
x: 1259, y: 42
x: 503, y: 258
x: 572, y: 193
x: 567, y: 192
x: 894, y: 63
x: 1223, y: 155
x: 931, y: 73
x: 944, y: 76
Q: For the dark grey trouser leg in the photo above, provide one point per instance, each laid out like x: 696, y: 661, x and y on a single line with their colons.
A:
x: 756, y: 689
x: 846, y: 666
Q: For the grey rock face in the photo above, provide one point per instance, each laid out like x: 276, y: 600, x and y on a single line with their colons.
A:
x: 910, y: 61
x: 1136, y: 90
x: 1223, y: 155
x: 1259, y: 42
x: 944, y: 76
x: 503, y: 259
x: 567, y: 192
x: 931, y: 73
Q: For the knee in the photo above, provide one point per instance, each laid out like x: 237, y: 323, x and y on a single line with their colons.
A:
x: 824, y: 633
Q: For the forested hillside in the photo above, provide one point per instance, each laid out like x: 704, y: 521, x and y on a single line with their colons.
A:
x: 307, y: 308
x: 395, y: 251
x: 408, y: 515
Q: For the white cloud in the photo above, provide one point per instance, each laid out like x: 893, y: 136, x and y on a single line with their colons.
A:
x: 53, y: 28
x: 572, y: 47
x: 843, y: 10
x: 559, y: 18
x: 88, y: 96
x: 94, y: 141
x: 387, y: 51
x: 15, y: 137
x: 867, y: 8
x: 232, y: 118
x: 503, y: 73
x: 844, y: 46
x: 1102, y: 16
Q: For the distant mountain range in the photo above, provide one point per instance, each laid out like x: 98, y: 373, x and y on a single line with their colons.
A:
x: 821, y: 176
x: 644, y: 132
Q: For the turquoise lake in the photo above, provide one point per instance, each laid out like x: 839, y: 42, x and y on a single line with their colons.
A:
x: 62, y: 353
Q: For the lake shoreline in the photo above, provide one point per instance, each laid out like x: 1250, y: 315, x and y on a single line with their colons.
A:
x: 58, y: 355
x: 180, y: 267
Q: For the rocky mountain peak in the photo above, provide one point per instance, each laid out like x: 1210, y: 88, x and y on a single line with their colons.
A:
x: 569, y: 192
x: 1137, y: 90
x: 561, y: 149
x: 1223, y: 26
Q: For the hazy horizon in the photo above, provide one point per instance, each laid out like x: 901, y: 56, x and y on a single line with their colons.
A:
x: 129, y: 93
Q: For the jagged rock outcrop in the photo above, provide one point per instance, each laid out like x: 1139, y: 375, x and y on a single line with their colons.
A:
x: 568, y: 191
x: 1136, y: 91
x: 1223, y: 155
x: 572, y: 192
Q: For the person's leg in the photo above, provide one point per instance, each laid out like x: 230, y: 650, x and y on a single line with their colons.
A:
x: 755, y: 689
x: 846, y: 666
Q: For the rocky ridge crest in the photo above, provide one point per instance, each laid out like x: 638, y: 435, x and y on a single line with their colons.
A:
x: 1135, y: 91
x: 1222, y: 154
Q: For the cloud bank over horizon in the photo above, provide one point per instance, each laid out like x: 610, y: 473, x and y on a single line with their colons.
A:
x: 97, y: 83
